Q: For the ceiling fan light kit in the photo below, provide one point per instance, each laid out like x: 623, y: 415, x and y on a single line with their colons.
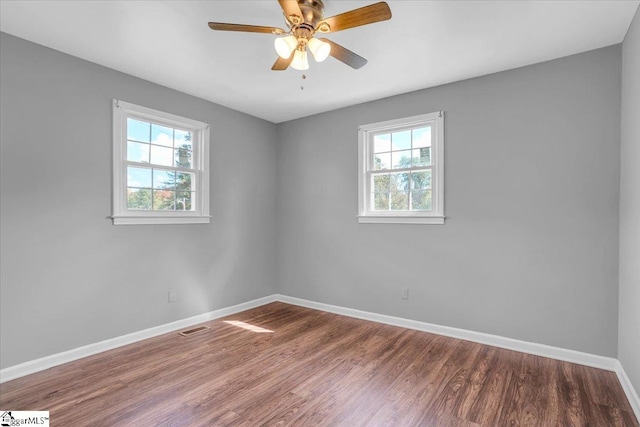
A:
x: 285, y: 46
x: 319, y: 49
x: 300, y: 61
x: 305, y: 18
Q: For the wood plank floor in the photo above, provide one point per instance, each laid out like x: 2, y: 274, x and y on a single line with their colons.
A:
x: 318, y: 369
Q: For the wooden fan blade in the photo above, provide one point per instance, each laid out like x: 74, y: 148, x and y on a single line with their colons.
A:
x: 282, y: 64
x: 354, y: 18
x: 221, y: 26
x: 291, y: 9
x: 343, y: 54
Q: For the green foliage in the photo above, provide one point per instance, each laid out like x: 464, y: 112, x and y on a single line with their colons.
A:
x: 139, y: 199
x: 391, y: 190
x: 176, y: 193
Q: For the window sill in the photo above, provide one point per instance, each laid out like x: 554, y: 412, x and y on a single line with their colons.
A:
x: 387, y: 219
x: 159, y: 220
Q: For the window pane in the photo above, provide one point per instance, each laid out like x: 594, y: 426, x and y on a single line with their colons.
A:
x: 184, y: 181
x: 163, y: 179
x: 421, y: 200
x: 380, y: 201
x: 421, y: 180
x: 138, y: 198
x: 399, y: 201
x: 137, y: 152
x: 399, y: 181
x: 381, y: 143
x: 162, y: 135
x: 161, y: 156
x: 183, y: 201
x: 401, y: 140
x: 138, y: 177
x: 407, y: 188
x: 381, y: 183
x: 137, y: 130
x: 163, y: 200
x: 382, y: 161
x: 183, y: 157
x: 422, y: 156
x: 401, y: 159
x: 183, y: 139
x: 422, y: 137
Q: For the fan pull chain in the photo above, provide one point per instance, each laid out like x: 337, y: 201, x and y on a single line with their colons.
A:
x: 302, y: 85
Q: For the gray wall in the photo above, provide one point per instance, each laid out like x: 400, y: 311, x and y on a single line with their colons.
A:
x: 69, y: 277
x: 529, y: 249
x: 629, y: 326
x: 530, y: 245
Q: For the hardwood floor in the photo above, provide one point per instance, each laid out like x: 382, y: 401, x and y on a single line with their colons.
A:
x: 318, y: 369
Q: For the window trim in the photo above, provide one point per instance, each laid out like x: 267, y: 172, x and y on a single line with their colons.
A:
x: 365, y: 133
x: 121, y: 215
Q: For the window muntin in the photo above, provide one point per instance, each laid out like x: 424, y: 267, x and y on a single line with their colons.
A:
x: 160, y: 173
x: 160, y: 167
x: 401, y: 170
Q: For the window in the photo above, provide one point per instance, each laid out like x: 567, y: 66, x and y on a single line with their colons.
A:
x: 401, y: 170
x: 160, y: 167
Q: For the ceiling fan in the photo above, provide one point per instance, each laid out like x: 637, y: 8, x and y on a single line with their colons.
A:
x: 305, y: 18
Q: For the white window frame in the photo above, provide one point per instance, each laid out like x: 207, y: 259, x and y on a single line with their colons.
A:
x: 365, y: 167
x: 121, y: 215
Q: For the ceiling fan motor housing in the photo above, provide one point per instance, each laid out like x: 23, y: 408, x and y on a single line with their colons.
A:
x: 312, y: 11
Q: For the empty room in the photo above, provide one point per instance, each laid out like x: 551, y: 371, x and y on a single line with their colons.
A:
x: 320, y: 213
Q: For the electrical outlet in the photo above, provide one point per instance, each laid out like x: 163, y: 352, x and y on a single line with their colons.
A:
x: 173, y: 296
x: 405, y: 293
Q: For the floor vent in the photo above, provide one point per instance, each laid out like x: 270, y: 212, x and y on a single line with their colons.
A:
x: 190, y: 332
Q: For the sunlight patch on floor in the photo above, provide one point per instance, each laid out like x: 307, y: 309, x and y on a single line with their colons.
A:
x: 247, y: 326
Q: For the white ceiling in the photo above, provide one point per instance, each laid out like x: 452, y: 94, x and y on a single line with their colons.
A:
x: 425, y: 44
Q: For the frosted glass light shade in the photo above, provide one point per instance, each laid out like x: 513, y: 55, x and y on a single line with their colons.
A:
x: 300, y: 61
x: 285, y: 45
x: 319, y: 49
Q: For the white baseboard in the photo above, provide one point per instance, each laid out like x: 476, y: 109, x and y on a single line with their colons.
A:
x: 47, y: 362
x: 601, y: 362
x: 587, y: 359
x: 632, y: 396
